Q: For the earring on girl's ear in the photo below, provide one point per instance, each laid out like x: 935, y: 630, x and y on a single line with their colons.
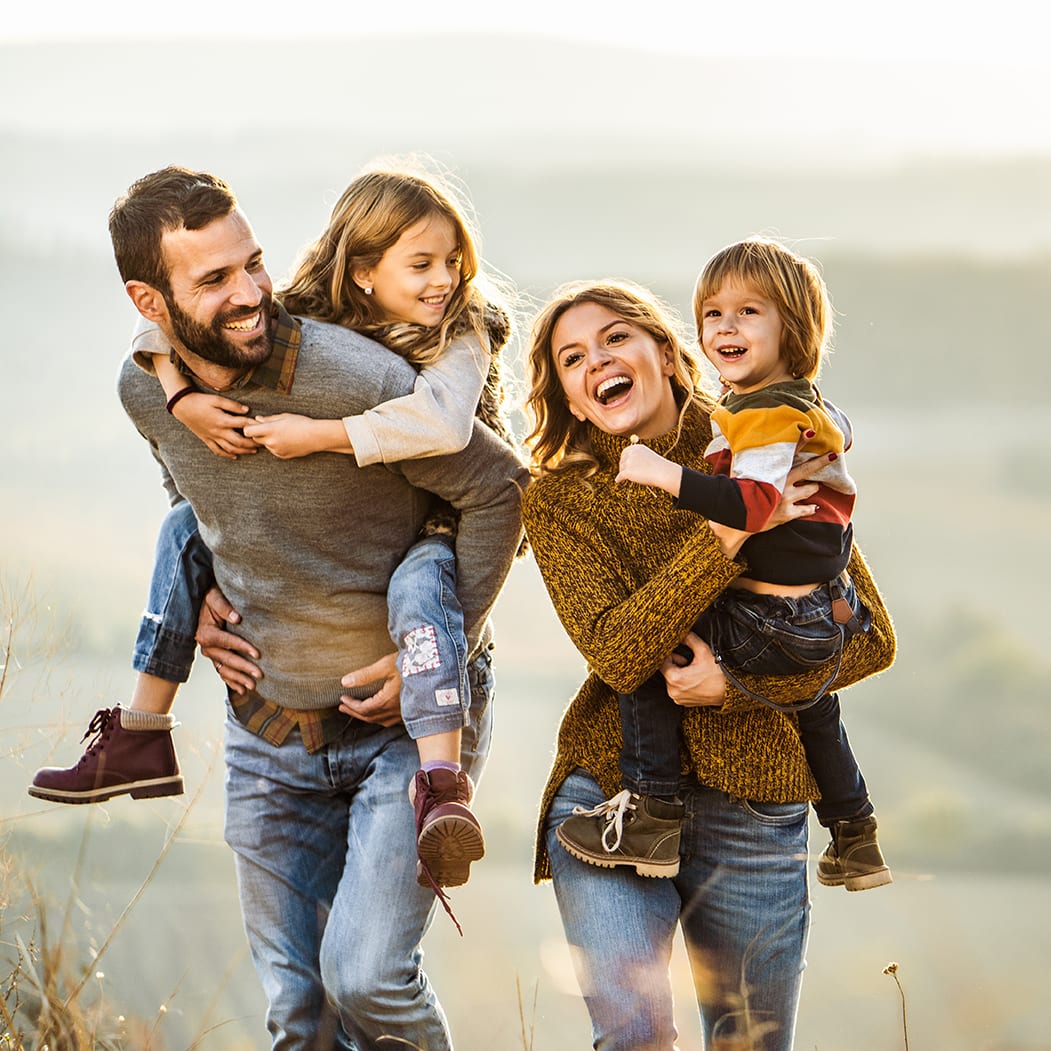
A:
x: 368, y: 291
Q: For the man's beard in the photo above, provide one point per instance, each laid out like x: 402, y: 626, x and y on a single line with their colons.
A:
x: 213, y: 343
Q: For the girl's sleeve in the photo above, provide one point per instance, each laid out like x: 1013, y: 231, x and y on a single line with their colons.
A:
x: 436, y: 419
x: 146, y: 341
x: 623, y: 629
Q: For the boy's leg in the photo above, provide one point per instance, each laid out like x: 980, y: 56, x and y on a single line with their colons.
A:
x: 425, y: 621
x: 640, y: 826
x: 131, y: 749
x: 853, y: 858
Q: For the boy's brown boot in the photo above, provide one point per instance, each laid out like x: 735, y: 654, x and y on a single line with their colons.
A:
x: 629, y: 829
x: 853, y: 859
x: 141, y: 763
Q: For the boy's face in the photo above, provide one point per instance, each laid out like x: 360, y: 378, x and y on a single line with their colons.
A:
x: 741, y: 336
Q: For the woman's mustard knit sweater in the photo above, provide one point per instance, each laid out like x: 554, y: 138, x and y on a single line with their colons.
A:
x: 628, y: 576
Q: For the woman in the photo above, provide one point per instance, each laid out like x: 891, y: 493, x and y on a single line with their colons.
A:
x: 628, y: 576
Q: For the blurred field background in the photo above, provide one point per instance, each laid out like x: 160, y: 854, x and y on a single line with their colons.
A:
x: 924, y: 190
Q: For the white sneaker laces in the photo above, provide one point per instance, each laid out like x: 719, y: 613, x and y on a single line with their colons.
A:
x: 613, y: 810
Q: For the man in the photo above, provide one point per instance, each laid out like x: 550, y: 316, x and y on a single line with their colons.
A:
x: 303, y: 549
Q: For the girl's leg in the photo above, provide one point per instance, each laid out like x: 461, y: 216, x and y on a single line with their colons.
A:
x: 745, y: 915
x: 131, y: 749
x: 425, y: 621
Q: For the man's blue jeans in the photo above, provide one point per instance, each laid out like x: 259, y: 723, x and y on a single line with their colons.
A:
x: 741, y: 899
x: 325, y: 852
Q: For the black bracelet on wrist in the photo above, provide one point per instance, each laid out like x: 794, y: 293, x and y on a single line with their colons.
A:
x: 178, y: 396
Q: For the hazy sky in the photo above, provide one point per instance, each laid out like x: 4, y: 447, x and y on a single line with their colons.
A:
x: 1008, y: 32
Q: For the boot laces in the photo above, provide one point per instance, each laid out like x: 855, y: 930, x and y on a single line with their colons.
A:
x: 614, y: 810
x: 100, y: 723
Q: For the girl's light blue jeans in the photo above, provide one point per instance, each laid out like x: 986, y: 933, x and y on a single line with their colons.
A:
x: 325, y: 852
x: 742, y: 902
x: 182, y: 575
x: 425, y: 621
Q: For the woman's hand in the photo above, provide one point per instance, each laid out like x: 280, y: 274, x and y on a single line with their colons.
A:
x: 217, y: 421
x: 698, y: 683
x: 228, y: 652
x: 288, y: 435
x: 384, y: 707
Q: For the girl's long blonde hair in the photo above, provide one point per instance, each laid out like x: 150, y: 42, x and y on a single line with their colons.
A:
x: 558, y: 439
x: 372, y: 213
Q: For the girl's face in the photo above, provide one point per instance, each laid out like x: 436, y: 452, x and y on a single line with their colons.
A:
x: 416, y: 277
x: 741, y: 336
x: 614, y: 373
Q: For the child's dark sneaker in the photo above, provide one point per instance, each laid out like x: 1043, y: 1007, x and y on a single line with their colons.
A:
x: 141, y: 763
x: 628, y: 829
x: 853, y: 859
x: 448, y: 835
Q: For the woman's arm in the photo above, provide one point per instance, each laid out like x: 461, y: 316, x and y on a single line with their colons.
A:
x: 865, y: 654
x: 623, y: 629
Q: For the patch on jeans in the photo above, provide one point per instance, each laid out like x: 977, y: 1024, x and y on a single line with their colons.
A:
x: 445, y: 698
x: 421, y: 651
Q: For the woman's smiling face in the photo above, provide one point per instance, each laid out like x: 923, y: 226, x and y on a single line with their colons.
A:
x: 613, y: 372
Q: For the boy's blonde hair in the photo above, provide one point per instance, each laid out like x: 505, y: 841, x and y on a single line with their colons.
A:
x: 791, y: 281
x: 558, y: 439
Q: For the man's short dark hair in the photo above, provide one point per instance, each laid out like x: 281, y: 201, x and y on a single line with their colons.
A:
x: 170, y: 199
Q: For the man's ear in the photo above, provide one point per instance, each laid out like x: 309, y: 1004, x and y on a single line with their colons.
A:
x: 148, y: 301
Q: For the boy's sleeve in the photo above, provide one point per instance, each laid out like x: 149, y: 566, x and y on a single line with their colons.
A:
x: 436, y: 419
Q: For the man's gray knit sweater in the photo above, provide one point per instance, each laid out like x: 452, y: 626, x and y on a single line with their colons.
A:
x: 304, y: 548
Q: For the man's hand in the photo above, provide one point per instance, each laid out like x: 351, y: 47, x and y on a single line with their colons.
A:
x: 228, y: 652
x: 698, y: 683
x: 384, y: 707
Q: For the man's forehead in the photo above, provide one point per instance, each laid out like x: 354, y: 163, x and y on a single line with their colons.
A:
x: 225, y: 242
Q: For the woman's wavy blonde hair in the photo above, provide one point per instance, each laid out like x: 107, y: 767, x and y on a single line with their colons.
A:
x: 558, y: 439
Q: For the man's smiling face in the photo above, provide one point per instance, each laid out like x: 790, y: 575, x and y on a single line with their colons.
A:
x: 220, y: 293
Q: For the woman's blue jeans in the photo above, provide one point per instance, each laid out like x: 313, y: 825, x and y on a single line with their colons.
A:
x: 325, y: 853
x: 741, y: 899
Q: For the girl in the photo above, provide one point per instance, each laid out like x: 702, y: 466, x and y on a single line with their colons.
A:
x: 397, y: 262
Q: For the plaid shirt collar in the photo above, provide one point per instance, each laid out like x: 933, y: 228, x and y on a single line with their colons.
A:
x: 279, y: 370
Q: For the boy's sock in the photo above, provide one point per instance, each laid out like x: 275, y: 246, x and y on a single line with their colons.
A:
x: 135, y: 719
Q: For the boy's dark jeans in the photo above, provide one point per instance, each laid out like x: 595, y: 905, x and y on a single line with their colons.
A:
x: 763, y: 635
